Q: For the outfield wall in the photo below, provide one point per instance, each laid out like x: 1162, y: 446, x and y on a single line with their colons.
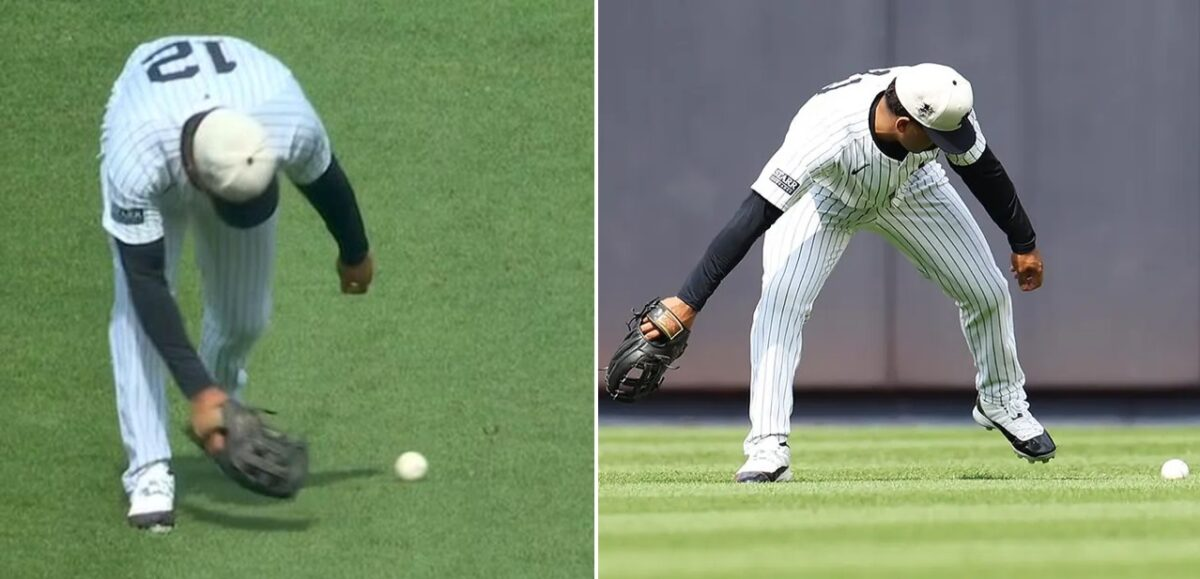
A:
x: 1090, y: 105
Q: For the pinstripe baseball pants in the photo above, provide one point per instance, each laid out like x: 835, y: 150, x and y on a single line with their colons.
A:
x: 934, y: 229
x: 236, y: 268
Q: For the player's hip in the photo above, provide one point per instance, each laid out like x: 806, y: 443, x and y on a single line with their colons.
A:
x: 830, y: 213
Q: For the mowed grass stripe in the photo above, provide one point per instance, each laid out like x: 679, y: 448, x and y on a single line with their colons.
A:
x: 909, y: 481
x: 959, y: 558
x: 816, y: 466
x: 901, y: 508
x: 876, y: 496
x: 825, y: 518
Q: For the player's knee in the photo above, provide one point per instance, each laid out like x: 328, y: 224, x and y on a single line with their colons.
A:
x: 784, y: 308
x: 993, y: 294
x: 805, y: 313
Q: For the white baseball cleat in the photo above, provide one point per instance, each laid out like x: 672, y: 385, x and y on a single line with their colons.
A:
x: 768, y: 463
x: 1027, y: 436
x: 152, y: 502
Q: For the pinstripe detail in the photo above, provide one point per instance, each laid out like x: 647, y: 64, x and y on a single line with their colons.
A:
x: 141, y: 169
x: 847, y: 185
x: 236, y: 267
x: 937, y: 233
x: 799, y: 252
x: 139, y: 373
x: 829, y: 139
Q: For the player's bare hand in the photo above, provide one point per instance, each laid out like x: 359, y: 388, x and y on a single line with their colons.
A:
x: 1028, y: 270
x: 356, y: 278
x: 683, y: 311
x: 206, y: 417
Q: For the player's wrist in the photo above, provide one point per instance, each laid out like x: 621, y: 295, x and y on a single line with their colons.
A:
x: 208, y: 397
x: 689, y: 299
x: 1023, y: 247
x: 353, y: 258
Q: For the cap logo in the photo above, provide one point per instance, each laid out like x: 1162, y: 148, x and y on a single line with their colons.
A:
x: 925, y: 110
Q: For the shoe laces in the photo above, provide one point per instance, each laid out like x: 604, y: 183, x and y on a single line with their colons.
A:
x: 772, y: 453
x: 1017, y: 409
x: 157, y: 480
x: 1023, y: 425
x: 156, y: 486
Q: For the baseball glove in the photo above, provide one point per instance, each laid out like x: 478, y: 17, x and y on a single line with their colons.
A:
x: 255, y: 456
x: 638, y: 367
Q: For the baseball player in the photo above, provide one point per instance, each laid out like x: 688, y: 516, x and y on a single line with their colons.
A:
x: 194, y: 134
x: 861, y: 155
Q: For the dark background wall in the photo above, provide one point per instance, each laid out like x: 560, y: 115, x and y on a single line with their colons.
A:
x: 1090, y: 105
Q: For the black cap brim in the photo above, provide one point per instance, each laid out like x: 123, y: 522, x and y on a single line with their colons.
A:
x: 251, y: 213
x: 954, y: 142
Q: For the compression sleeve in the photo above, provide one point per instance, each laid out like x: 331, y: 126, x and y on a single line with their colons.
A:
x: 333, y: 198
x: 988, y: 181
x: 752, y: 219
x: 159, y: 315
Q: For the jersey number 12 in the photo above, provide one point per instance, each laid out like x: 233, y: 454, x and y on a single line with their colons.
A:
x: 179, y: 51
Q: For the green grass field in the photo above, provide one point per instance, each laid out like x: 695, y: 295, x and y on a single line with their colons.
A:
x: 898, y: 502
x: 466, y: 128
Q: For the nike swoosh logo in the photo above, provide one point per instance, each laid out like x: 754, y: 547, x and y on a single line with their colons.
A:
x: 855, y: 172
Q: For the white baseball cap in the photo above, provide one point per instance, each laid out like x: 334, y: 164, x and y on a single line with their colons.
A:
x: 231, y: 156
x: 939, y: 99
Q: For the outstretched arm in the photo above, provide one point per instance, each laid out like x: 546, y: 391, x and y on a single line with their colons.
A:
x: 726, y: 251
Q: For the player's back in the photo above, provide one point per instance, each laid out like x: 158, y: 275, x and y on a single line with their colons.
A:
x: 171, y: 78
x: 829, y: 143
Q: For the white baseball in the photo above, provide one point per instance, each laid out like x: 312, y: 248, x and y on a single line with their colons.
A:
x: 411, y: 466
x: 1174, y: 469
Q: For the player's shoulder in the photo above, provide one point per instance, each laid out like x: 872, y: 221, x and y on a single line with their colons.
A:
x: 858, y: 86
x: 137, y: 140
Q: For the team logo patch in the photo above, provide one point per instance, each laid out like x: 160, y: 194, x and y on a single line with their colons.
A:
x: 785, y: 181
x: 925, y: 110
x: 127, y: 216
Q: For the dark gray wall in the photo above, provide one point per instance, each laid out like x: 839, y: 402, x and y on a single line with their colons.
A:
x: 1090, y: 104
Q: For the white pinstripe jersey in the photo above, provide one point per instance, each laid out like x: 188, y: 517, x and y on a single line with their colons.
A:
x: 166, y: 81
x: 829, y: 145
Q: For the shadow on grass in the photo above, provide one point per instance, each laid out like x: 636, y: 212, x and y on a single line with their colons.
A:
x: 243, y: 522
x: 198, y: 476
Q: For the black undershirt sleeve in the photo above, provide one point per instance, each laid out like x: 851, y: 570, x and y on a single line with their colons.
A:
x: 990, y: 184
x: 159, y: 315
x: 752, y: 219
x: 333, y: 198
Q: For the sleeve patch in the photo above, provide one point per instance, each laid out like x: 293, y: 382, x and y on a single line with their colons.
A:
x: 785, y: 181
x: 127, y: 216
